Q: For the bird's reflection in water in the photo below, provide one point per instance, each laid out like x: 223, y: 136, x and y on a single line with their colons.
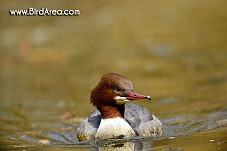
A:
x: 124, y: 146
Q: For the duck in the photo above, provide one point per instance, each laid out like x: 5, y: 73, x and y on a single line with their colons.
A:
x: 113, y: 118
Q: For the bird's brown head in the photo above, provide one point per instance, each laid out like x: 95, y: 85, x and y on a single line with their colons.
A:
x: 114, y: 89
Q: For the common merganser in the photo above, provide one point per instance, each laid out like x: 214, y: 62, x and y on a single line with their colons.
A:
x: 114, y: 119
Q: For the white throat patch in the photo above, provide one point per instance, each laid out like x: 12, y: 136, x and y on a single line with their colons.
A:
x: 121, y: 100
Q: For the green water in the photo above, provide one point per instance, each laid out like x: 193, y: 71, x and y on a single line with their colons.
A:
x: 173, y: 51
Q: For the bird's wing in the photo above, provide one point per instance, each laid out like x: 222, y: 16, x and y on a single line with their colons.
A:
x: 143, y: 122
x: 89, y: 126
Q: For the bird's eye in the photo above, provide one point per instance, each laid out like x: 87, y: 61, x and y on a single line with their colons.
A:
x: 118, y: 89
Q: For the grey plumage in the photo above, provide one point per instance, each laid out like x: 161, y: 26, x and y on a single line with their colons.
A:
x: 142, y: 121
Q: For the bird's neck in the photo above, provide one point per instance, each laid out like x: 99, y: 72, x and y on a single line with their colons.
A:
x: 112, y: 111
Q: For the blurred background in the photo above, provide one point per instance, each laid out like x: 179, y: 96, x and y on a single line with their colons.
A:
x: 174, y: 51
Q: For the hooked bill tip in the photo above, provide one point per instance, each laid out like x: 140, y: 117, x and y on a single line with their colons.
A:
x: 148, y: 97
